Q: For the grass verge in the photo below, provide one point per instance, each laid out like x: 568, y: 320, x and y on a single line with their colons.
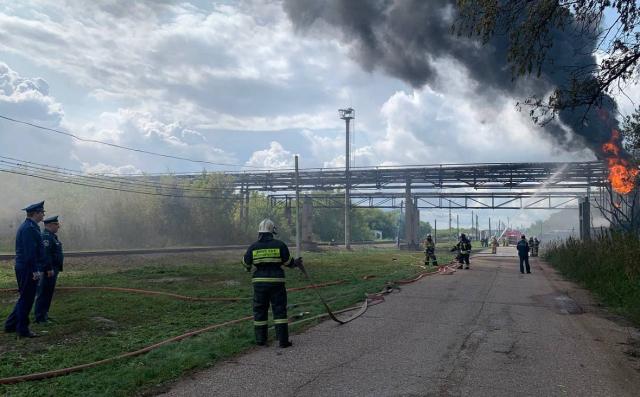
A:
x: 93, y: 325
x: 607, y: 265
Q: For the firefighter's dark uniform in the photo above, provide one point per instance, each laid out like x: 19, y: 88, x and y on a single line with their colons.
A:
x: 54, y: 258
x: 536, y: 245
x: 430, y: 252
x: 268, y: 255
x: 464, y: 250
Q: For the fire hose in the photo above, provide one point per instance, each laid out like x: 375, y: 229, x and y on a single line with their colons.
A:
x: 378, y: 298
x: 176, y: 296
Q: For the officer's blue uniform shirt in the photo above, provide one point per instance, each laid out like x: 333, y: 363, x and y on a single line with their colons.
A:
x: 53, y: 255
x: 29, y: 246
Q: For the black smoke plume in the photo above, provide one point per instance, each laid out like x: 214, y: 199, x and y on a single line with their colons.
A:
x: 403, y: 38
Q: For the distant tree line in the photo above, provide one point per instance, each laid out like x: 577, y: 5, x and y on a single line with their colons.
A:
x: 107, y: 219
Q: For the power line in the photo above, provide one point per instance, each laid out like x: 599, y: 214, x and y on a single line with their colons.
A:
x: 121, y: 146
x: 98, y: 186
x: 110, y: 179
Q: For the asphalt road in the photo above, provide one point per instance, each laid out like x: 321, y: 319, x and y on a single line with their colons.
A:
x: 487, y: 331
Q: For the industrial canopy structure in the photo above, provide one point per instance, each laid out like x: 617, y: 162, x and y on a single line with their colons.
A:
x: 548, y: 185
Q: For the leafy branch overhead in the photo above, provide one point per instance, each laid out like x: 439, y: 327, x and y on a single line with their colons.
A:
x: 607, y: 31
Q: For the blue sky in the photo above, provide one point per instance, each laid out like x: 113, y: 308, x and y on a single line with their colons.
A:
x: 229, y: 82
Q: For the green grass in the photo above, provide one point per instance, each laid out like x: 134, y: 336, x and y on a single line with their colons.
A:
x: 608, y: 266
x: 93, y: 325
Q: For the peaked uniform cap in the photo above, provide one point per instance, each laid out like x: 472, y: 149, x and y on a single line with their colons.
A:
x: 51, y: 219
x: 35, y: 207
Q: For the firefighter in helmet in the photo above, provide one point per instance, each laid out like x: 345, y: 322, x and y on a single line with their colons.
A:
x: 268, y: 255
x: 494, y: 244
x: 430, y: 251
x: 464, y: 250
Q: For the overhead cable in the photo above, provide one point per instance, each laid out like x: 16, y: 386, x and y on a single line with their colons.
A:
x: 74, y: 136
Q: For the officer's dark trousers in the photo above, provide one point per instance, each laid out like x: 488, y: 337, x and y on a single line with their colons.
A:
x: 44, y: 295
x: 276, y: 295
x: 524, y: 259
x: 464, y: 258
x: 18, y: 320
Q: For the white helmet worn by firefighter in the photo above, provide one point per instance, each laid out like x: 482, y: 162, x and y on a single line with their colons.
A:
x: 267, y: 226
x: 429, y: 236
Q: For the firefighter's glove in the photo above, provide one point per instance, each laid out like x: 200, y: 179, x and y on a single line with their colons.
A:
x: 297, y: 262
x: 247, y: 268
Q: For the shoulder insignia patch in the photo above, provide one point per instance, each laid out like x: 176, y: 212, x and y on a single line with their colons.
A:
x: 45, y: 243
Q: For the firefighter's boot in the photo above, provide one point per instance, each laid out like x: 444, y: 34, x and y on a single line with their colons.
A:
x: 282, y: 334
x: 261, y: 335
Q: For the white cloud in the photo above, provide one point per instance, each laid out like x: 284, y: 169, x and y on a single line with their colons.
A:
x: 138, y: 129
x: 27, y: 97
x: 272, y: 158
x: 106, y: 169
x: 230, y: 66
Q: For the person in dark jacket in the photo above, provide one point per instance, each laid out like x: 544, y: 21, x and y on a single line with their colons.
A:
x: 28, y: 268
x: 523, y: 253
x: 464, y: 250
x: 268, y: 255
x: 53, y: 261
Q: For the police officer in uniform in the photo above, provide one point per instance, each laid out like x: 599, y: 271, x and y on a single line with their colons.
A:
x: 464, y: 250
x: 523, y: 253
x: 53, y: 260
x: 28, y: 268
x: 268, y: 255
x: 430, y: 251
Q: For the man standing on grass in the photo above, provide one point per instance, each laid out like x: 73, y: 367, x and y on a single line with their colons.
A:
x: 430, y: 251
x: 523, y: 253
x: 53, y: 259
x: 268, y: 255
x: 29, y: 265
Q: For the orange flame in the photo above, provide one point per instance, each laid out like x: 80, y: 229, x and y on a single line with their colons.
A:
x: 621, y: 175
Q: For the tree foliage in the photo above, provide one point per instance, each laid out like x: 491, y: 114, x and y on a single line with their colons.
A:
x: 610, y: 26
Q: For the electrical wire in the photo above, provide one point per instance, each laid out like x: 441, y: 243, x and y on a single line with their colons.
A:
x: 74, y: 136
x: 100, y: 186
x: 109, y: 179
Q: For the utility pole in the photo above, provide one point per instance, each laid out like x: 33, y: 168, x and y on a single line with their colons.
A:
x: 435, y: 231
x: 398, y: 228
x: 471, y: 234
x: 449, y: 232
x: 347, y: 115
x: 458, y: 225
x: 298, y: 226
x: 477, y: 228
x: 490, y: 234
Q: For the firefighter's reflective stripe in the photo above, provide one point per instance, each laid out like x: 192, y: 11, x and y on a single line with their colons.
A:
x: 265, y: 253
x: 280, y: 321
x: 260, y: 323
x: 464, y: 252
x: 267, y: 260
x: 268, y: 280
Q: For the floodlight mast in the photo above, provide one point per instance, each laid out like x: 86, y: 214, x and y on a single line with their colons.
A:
x: 347, y: 115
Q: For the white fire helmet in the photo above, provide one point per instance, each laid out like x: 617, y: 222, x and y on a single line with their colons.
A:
x: 267, y: 226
